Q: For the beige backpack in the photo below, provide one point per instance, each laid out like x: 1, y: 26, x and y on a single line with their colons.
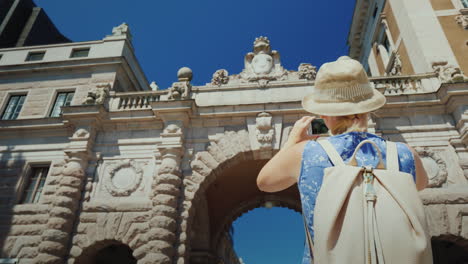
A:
x: 365, y: 215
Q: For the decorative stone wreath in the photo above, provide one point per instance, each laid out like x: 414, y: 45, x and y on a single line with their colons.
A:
x: 441, y: 177
x: 114, y: 169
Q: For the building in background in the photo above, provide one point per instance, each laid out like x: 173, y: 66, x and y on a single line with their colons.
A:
x: 22, y: 23
x: 97, y: 165
x: 403, y: 37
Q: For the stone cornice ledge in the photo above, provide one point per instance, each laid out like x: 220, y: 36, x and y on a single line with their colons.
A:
x: 136, y: 205
x: 36, y: 123
x: 453, y: 195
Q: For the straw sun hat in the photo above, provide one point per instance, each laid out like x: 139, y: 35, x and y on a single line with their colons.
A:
x: 342, y: 88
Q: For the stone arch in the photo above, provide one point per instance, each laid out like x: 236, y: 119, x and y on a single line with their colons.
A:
x: 225, y: 151
x: 90, y: 252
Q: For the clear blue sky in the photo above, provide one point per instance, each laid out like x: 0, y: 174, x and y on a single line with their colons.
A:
x: 207, y: 35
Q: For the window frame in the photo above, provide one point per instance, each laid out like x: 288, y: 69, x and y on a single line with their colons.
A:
x: 28, y: 56
x: 6, y: 102
x: 25, y: 180
x: 78, y: 50
x: 54, y: 101
x: 464, y: 3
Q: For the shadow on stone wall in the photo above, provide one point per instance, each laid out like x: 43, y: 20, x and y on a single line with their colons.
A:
x: 450, y: 250
x: 11, y: 169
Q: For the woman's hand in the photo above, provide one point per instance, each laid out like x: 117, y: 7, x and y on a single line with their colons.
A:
x: 299, y: 132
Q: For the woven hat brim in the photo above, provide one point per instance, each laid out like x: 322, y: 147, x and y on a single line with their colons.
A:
x: 374, y: 102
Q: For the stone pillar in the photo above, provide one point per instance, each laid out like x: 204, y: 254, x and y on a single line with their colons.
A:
x: 162, y: 236
x: 70, y: 176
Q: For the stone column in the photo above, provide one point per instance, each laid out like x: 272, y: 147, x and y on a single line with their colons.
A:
x: 162, y: 236
x: 70, y: 176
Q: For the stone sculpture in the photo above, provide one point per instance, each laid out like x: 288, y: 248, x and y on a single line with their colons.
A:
x: 98, y: 95
x: 220, y: 77
x: 448, y: 73
x: 181, y: 89
x: 307, y: 71
x: 264, y: 130
x: 263, y: 64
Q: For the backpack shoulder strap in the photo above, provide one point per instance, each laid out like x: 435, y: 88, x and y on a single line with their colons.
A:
x: 392, y: 156
x: 331, y: 152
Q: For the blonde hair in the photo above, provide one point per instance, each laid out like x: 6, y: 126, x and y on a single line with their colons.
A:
x: 345, y: 124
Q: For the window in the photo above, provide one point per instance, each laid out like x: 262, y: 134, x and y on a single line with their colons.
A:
x: 465, y: 3
x: 35, y: 56
x: 13, y: 108
x: 375, y: 11
x: 35, y: 183
x: 1, y: 55
x: 63, y: 99
x: 386, y: 42
x: 79, y: 53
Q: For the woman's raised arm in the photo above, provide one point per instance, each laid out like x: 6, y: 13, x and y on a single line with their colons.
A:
x: 283, y: 169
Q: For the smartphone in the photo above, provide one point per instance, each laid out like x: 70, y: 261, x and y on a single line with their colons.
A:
x: 318, y: 127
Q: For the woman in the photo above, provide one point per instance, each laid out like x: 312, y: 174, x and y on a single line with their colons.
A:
x: 343, y: 98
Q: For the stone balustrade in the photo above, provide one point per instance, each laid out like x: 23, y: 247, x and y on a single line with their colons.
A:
x: 134, y: 100
x: 406, y: 84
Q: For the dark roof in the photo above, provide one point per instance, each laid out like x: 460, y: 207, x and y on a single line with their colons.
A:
x: 22, y: 23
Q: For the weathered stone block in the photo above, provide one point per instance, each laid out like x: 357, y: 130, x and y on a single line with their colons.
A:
x: 160, y: 234
x: 59, y: 223
x: 61, y: 212
x: 134, y: 230
x: 70, y: 181
x: 55, y: 235
x: 26, y: 230
x: 28, y: 252
x: 44, y: 258
x: 53, y: 248
x: 29, y: 219
x: 75, y: 251
x: 70, y: 192
x: 63, y: 201
x: 169, y: 178
x: 164, y: 188
x: 163, y: 222
x: 165, y: 199
x: 436, y: 215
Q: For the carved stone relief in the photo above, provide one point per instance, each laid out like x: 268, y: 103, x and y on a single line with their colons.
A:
x: 97, y: 95
x: 462, y: 20
x: 448, y: 73
x: 81, y: 133
x: 396, y: 67
x: 263, y: 64
x: 123, y: 178
x: 435, y: 166
x: 307, y: 71
x: 220, y: 77
x: 264, y: 130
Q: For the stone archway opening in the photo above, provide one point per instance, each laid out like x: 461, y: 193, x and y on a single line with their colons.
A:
x: 449, y: 250
x: 233, y: 193
x: 107, y: 252
x: 269, y: 235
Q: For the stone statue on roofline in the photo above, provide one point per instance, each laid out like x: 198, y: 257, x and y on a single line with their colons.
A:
x: 263, y: 64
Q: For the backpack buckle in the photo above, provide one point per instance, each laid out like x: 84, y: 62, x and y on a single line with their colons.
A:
x: 368, y: 179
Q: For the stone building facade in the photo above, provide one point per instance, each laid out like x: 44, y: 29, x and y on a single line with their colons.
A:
x: 95, y: 162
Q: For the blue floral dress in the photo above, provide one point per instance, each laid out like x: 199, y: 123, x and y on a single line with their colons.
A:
x: 315, y: 160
